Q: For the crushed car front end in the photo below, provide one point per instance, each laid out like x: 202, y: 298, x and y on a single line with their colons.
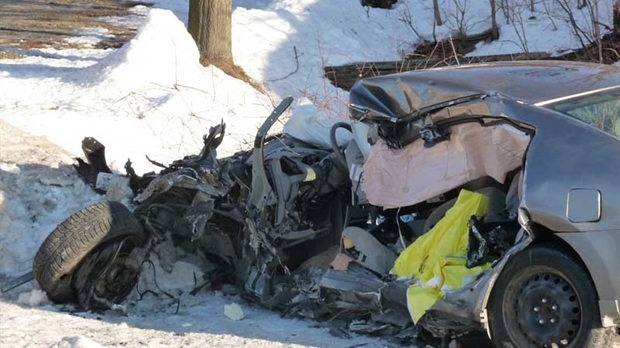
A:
x: 563, y: 189
x: 454, y: 179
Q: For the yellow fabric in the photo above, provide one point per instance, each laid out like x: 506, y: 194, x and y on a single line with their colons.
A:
x: 424, y: 298
x: 455, y: 273
x: 437, y: 259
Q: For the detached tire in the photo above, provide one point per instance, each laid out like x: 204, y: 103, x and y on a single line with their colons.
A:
x: 545, y: 298
x: 73, y: 240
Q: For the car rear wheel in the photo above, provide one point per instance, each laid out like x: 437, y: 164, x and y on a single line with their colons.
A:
x: 544, y: 298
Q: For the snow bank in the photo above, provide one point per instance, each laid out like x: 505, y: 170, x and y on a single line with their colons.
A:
x: 300, y: 37
x: 38, y: 190
x: 545, y: 29
x: 150, y: 97
x: 162, y: 53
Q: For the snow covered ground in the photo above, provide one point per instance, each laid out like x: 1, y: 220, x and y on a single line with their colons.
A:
x: 200, y: 322
x: 152, y: 97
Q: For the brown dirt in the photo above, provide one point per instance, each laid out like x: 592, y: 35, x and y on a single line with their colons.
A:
x: 26, y: 24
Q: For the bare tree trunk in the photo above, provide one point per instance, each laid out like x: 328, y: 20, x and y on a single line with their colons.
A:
x: 597, y: 29
x: 437, y: 14
x: 617, y: 16
x: 210, y: 24
x: 532, y: 5
x: 494, y: 29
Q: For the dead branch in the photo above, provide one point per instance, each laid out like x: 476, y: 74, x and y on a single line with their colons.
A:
x: 296, y: 67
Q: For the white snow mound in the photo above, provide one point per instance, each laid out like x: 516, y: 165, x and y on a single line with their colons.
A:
x: 151, y: 96
x: 160, y: 53
x: 76, y: 342
x: 38, y: 190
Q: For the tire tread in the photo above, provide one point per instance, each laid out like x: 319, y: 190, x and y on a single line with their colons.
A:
x: 74, y: 238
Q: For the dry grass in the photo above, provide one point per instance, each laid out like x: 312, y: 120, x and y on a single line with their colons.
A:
x: 611, y: 50
x: 232, y: 70
x: 447, y: 48
x: 10, y: 55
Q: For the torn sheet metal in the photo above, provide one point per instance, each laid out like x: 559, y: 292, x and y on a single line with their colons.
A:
x: 367, y: 250
x: 489, y: 241
x: 351, y: 290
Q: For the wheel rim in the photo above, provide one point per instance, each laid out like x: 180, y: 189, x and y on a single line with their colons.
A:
x: 117, y: 279
x: 105, y: 277
x: 548, y: 310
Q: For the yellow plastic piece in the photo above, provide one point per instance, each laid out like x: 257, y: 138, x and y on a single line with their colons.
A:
x: 347, y: 243
x: 310, y: 174
x: 437, y: 259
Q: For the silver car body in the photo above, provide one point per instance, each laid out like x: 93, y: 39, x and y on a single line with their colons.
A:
x: 571, y: 173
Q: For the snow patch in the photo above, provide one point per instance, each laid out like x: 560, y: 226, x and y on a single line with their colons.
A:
x: 33, y: 298
x: 89, y: 37
x: 233, y: 312
x: 76, y: 342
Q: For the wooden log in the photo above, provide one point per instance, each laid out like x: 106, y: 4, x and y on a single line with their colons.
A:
x: 345, y: 76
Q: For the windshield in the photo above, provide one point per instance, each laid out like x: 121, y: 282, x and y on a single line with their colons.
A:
x: 601, y: 110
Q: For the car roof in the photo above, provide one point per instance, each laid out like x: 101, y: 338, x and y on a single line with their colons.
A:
x: 528, y: 81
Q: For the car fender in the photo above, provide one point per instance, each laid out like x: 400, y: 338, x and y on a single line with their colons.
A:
x: 599, y: 252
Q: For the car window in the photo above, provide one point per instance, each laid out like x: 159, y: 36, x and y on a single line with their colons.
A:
x: 602, y: 110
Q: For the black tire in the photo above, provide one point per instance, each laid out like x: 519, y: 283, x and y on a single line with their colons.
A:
x: 545, y: 298
x: 72, y: 240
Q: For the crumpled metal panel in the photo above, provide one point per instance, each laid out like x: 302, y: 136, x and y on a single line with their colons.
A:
x: 398, y: 95
x: 351, y: 290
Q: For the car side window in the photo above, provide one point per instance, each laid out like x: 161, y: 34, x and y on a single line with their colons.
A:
x: 604, y: 116
x: 601, y: 110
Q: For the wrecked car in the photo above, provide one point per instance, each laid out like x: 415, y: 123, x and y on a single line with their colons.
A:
x: 471, y: 198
